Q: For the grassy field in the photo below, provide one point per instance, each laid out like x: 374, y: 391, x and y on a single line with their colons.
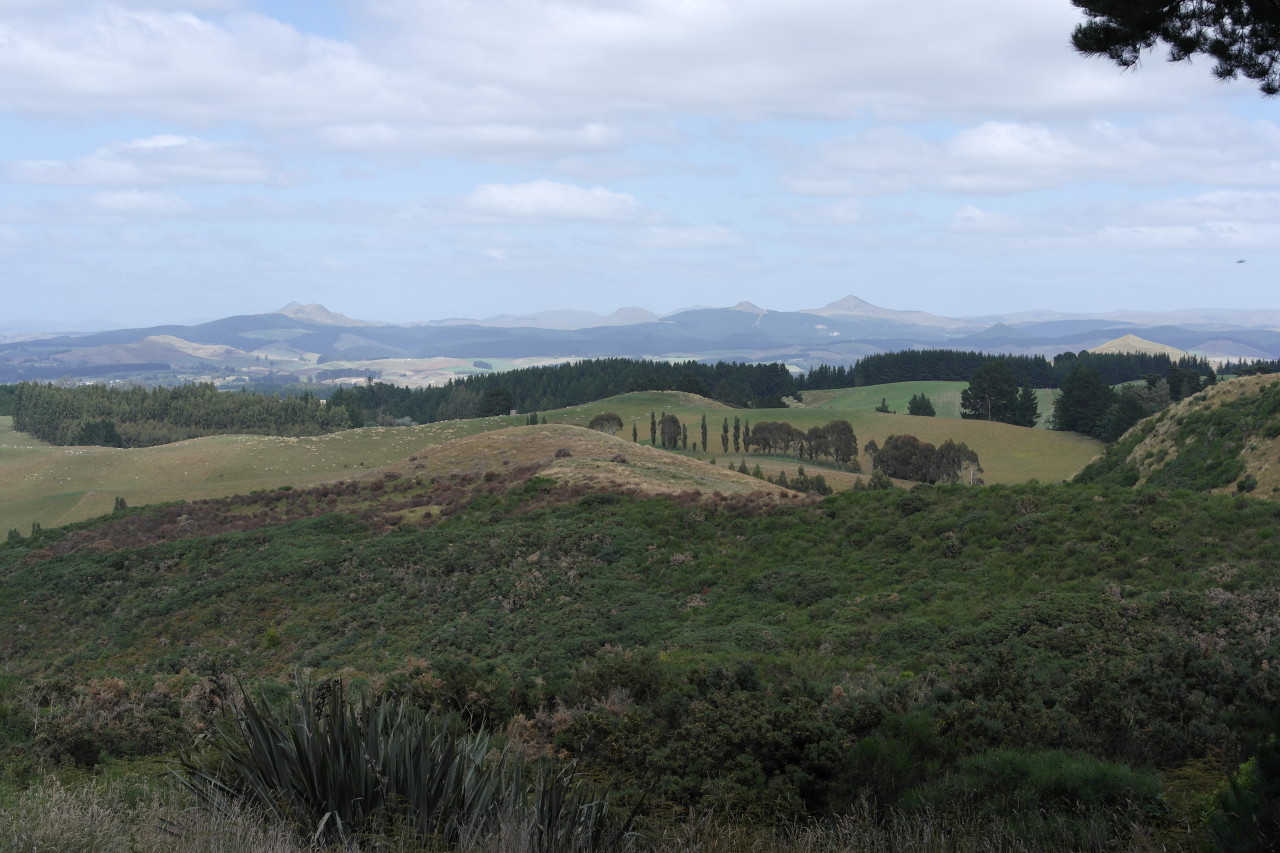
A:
x: 58, y: 485
x: 945, y: 397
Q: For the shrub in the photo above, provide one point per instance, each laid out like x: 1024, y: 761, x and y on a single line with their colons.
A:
x: 337, y: 769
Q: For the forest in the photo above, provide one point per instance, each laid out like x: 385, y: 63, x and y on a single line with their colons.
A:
x: 533, y: 389
x: 959, y: 366
x: 114, y: 416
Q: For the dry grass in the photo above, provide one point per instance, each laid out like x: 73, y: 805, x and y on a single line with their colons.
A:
x: 131, y: 815
x: 1261, y: 458
x: 142, y: 815
x: 59, y: 485
x: 590, y: 461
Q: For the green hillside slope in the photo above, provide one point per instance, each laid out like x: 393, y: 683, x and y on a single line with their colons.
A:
x: 726, y: 652
x: 59, y: 485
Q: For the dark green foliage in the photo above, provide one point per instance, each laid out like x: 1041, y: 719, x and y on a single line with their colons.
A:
x: 1183, y: 383
x: 610, y: 422
x: 878, y: 481
x: 920, y: 405
x: 883, y: 408
x: 1083, y: 403
x: 993, y: 395
x: 561, y: 385
x: 138, y: 417
x: 669, y: 431
x: 815, y: 484
x: 1036, y: 371
x: 1027, y: 410
x: 341, y: 770
x: 1204, y: 446
x: 906, y: 457
x: 496, y: 401
x: 1242, y: 37
x: 730, y: 653
x: 1122, y: 415
x: 835, y: 441
x: 1247, y: 815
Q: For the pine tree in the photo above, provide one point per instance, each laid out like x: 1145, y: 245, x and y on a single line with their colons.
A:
x: 992, y: 394
x: 1082, y: 404
x: 724, y: 436
x: 1027, y: 411
x: 921, y: 405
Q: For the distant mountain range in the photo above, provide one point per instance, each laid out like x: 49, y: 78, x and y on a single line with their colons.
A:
x: 308, y: 340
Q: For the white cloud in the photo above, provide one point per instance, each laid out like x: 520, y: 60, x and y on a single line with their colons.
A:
x: 552, y: 201
x: 1211, y: 221
x: 558, y: 76
x: 1001, y: 157
x: 112, y: 207
x: 156, y: 160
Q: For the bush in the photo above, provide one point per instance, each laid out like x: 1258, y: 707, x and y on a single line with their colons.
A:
x: 338, y: 769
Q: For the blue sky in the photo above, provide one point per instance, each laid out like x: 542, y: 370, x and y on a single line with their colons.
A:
x: 166, y: 160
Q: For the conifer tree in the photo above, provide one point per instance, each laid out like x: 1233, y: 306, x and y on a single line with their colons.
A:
x: 921, y: 405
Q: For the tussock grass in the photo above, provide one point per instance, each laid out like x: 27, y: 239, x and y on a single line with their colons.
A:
x: 140, y: 815
x: 129, y: 815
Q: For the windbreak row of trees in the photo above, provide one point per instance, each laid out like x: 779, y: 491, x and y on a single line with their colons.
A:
x: 533, y: 389
x: 142, y: 417
x: 959, y: 366
x: 906, y: 457
x: 835, y: 441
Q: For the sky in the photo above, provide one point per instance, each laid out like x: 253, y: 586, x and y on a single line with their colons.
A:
x: 165, y: 161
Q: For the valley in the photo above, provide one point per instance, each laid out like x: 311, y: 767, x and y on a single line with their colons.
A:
x: 59, y: 485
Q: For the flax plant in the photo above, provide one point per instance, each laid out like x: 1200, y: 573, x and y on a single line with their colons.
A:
x: 340, y: 770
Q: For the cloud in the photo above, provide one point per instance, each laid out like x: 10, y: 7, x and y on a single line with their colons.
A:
x: 111, y: 207
x: 1003, y: 157
x: 556, y: 77
x: 1211, y: 221
x: 156, y: 160
x: 552, y: 201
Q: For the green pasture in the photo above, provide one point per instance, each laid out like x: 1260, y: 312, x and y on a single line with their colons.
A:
x: 58, y: 485
x: 945, y: 397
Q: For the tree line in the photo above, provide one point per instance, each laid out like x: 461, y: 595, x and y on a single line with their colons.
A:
x: 142, y: 417
x: 959, y: 366
x: 533, y: 389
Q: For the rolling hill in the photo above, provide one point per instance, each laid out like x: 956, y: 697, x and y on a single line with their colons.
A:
x: 1225, y: 439
x: 58, y: 485
x: 300, y: 341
